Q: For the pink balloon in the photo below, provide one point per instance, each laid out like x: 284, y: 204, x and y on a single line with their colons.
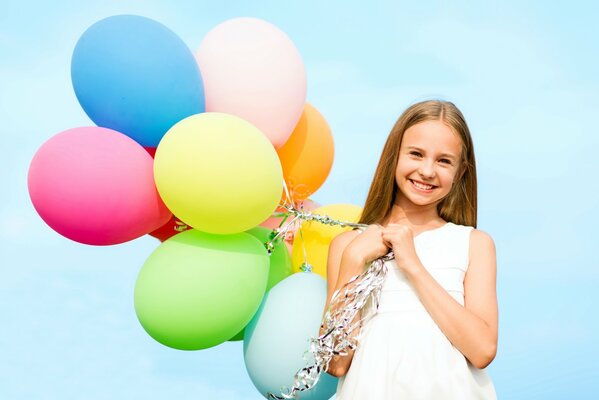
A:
x: 252, y: 69
x: 96, y: 186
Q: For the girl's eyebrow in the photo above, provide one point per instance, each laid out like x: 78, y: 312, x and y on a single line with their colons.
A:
x: 442, y: 155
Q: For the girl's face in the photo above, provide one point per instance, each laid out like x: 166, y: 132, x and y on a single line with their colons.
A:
x: 428, y: 164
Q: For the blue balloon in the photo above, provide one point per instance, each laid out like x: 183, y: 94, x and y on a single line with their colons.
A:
x: 278, y: 335
x: 134, y: 75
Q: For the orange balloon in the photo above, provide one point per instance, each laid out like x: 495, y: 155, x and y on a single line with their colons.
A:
x: 307, y: 156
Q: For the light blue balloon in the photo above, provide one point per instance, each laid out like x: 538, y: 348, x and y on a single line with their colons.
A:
x: 277, y: 336
x: 134, y: 75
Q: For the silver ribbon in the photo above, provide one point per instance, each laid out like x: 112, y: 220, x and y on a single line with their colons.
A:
x: 341, y: 326
x: 301, y: 215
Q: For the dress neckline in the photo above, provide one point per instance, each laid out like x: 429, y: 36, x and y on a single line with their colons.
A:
x: 432, y: 230
x: 421, y: 233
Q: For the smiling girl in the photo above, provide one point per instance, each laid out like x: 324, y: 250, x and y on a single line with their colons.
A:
x: 435, y: 329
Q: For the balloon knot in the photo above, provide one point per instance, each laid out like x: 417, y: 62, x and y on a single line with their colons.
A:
x: 306, y: 267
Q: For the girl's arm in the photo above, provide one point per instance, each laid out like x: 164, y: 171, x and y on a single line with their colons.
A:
x: 471, y: 328
x: 341, y: 267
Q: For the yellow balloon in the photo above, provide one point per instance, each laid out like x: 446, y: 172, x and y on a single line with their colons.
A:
x: 316, y: 237
x: 218, y: 173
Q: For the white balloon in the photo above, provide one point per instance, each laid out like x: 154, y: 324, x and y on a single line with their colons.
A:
x: 252, y: 69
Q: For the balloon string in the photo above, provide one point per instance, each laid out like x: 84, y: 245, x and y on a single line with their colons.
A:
x: 306, y: 266
x: 305, y: 216
x: 297, y: 215
x: 288, y: 195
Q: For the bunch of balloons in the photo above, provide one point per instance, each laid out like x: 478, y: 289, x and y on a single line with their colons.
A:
x: 195, y: 150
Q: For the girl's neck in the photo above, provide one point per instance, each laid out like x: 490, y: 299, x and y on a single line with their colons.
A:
x: 418, y: 216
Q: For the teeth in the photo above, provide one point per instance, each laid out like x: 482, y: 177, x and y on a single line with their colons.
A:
x: 424, y: 187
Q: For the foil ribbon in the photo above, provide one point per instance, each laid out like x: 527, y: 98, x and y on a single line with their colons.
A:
x: 350, y: 308
x: 341, y: 325
x: 300, y: 215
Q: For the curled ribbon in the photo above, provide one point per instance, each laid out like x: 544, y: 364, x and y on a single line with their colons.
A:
x: 341, y: 326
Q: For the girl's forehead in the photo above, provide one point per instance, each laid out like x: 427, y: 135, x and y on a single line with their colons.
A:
x: 433, y: 136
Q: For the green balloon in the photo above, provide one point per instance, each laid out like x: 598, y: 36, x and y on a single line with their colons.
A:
x: 280, y: 263
x: 197, y: 290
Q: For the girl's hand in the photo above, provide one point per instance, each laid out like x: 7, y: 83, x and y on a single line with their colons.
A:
x: 400, y: 238
x: 368, y: 246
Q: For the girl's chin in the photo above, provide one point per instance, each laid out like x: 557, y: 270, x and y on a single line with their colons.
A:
x: 416, y: 200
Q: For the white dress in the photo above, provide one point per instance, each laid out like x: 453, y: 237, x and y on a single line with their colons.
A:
x: 402, y: 354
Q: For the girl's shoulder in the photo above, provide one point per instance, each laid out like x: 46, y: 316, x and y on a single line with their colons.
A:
x: 480, y: 238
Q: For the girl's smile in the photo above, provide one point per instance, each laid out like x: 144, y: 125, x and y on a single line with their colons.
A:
x: 422, y: 187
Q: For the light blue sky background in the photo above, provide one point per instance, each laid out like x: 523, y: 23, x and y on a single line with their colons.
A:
x: 525, y: 76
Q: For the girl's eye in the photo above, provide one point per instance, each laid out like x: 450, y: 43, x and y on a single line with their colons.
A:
x: 417, y: 154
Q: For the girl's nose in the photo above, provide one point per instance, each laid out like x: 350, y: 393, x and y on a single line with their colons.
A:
x: 427, y: 170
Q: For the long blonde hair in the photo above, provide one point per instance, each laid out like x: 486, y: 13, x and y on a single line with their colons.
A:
x: 459, y: 206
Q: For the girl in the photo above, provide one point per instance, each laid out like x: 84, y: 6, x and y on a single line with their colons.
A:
x: 436, y: 326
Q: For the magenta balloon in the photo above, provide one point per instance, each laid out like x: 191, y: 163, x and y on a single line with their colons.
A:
x: 96, y: 186
x: 252, y: 69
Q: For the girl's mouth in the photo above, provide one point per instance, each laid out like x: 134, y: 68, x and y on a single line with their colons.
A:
x: 422, y: 187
